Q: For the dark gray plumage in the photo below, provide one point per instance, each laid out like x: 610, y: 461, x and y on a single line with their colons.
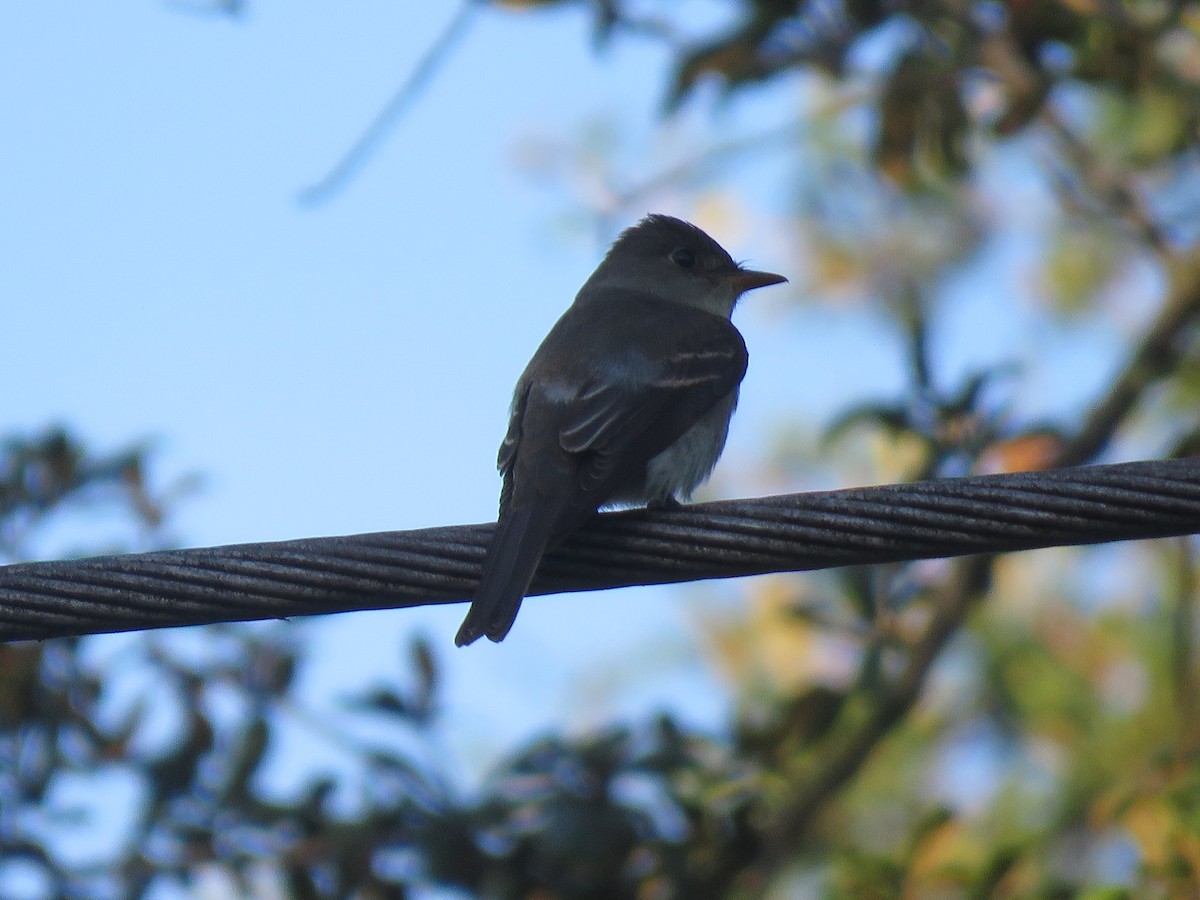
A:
x: 627, y: 400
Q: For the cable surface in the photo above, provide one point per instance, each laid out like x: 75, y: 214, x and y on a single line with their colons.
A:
x: 794, y: 532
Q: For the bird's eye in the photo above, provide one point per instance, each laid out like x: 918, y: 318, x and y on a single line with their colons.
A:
x: 683, y: 257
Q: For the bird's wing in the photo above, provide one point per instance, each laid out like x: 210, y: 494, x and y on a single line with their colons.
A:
x: 660, y: 382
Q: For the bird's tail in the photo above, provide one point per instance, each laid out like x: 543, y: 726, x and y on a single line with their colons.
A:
x: 509, y: 567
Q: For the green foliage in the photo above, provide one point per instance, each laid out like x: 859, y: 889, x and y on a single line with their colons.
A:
x: 52, y: 473
x: 1081, y: 260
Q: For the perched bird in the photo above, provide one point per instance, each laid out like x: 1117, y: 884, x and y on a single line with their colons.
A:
x: 627, y: 400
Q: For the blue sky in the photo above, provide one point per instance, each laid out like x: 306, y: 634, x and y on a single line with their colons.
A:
x: 347, y: 367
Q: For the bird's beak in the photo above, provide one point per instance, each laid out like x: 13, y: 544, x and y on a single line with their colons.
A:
x: 749, y: 279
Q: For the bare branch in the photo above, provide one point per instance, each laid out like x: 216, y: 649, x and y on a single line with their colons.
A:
x: 357, y: 155
x: 1115, y: 190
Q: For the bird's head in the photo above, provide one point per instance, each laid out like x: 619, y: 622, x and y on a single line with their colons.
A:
x: 675, y: 261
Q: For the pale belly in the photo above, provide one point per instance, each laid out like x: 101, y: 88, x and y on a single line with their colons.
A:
x: 686, y: 464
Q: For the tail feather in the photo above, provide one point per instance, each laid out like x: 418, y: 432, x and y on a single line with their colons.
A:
x: 508, y: 569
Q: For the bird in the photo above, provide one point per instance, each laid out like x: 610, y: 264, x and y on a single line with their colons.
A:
x: 626, y: 401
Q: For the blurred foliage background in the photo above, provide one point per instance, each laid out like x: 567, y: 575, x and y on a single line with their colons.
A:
x: 990, y: 727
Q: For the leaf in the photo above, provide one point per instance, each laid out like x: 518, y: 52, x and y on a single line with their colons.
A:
x: 923, y: 124
x: 1080, y: 262
x: 892, y: 418
x: 384, y: 700
x: 251, y: 750
x: 734, y: 59
x: 425, y: 664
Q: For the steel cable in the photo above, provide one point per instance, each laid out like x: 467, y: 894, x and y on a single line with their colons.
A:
x: 795, y: 532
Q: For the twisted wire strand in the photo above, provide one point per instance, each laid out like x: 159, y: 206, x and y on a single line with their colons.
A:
x: 794, y: 532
